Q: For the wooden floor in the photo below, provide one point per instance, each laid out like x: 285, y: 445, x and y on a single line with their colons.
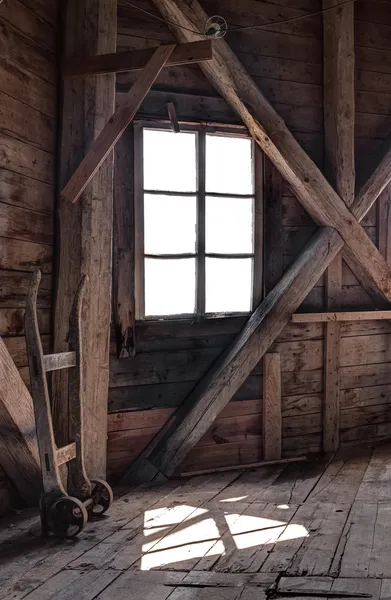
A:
x: 322, y: 526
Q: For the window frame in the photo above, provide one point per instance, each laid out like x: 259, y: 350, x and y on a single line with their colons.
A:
x: 201, y: 129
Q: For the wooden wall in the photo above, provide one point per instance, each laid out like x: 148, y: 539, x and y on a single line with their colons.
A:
x: 286, y: 62
x: 28, y: 110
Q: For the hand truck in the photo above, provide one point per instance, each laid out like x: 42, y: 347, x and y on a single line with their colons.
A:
x: 63, y: 513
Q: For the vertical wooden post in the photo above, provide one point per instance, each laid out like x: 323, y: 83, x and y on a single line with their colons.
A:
x: 273, y: 257
x: 339, y: 111
x: 85, y: 229
x: 271, y: 413
x: 123, y: 247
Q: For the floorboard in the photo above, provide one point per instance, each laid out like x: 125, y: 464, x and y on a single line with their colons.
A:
x: 315, y: 527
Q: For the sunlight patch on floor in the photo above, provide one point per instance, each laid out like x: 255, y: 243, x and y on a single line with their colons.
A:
x: 182, y: 533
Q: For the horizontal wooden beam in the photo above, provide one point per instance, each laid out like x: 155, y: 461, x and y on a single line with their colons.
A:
x: 262, y: 463
x: 330, y: 317
x: 66, y: 453
x: 116, y: 125
x: 136, y: 60
x: 61, y: 360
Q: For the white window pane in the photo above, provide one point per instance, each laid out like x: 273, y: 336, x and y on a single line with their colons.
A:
x: 169, y: 224
x: 228, y: 285
x: 169, y: 161
x: 229, y: 165
x: 229, y: 225
x: 169, y: 286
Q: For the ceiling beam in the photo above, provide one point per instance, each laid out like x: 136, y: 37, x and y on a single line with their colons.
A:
x: 136, y: 60
x: 231, y: 80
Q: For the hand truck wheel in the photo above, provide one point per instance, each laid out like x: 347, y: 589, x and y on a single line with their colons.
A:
x: 102, y: 497
x: 67, y: 517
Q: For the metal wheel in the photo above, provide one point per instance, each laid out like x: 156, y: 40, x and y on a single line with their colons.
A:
x: 102, y: 497
x: 67, y: 517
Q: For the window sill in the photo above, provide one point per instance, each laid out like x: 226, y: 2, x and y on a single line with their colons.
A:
x: 192, y: 318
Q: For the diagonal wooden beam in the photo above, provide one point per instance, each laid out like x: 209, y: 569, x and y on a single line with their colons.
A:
x: 116, y: 125
x: 339, y: 116
x: 136, y: 60
x: 193, y: 418
x: 317, y: 196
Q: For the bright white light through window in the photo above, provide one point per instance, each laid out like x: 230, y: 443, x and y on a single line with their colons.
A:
x: 229, y: 165
x: 169, y: 161
x: 169, y: 224
x: 229, y: 225
x: 228, y: 285
x: 169, y: 286
x: 178, y: 215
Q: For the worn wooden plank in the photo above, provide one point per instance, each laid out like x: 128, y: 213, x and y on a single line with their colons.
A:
x: 136, y: 60
x: 116, y: 125
x: 85, y: 231
x: 339, y: 114
x: 123, y: 246
x: 19, y: 449
x: 66, y: 453
x: 29, y: 23
x: 327, y: 317
x: 63, y: 360
x: 14, y: 286
x: 341, y: 480
x: 271, y: 407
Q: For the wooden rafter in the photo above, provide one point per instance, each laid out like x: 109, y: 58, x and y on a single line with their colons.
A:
x: 136, y: 60
x: 192, y: 419
x: 229, y: 77
x: 339, y: 115
x: 117, y: 124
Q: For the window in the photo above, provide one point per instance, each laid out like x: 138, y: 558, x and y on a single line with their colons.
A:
x: 195, y: 207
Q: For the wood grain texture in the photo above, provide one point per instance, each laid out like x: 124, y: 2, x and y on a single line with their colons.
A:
x: 85, y: 229
x: 226, y: 373
x: 232, y: 81
x: 19, y: 449
x: 137, y: 60
x: 271, y: 420
x: 326, y: 317
x: 339, y: 113
x: 115, y: 126
x: 123, y: 246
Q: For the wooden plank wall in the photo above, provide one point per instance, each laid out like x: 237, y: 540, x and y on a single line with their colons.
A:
x: 28, y: 110
x: 286, y: 61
